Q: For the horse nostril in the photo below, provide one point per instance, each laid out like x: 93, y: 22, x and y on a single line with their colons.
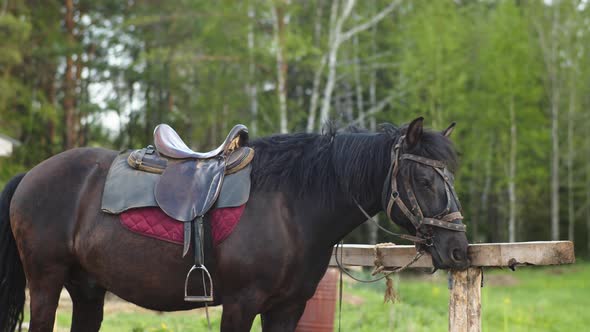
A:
x: 457, y: 255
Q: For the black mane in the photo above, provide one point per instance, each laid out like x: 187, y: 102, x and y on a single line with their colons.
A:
x: 351, y: 161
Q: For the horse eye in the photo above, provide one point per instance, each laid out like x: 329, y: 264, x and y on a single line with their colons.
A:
x: 424, y: 182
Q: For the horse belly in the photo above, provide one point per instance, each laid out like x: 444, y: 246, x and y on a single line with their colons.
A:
x: 145, y: 271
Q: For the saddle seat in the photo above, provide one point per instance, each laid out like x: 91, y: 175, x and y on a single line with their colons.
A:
x: 168, y: 143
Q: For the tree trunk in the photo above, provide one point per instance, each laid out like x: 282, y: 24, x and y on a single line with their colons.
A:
x: 148, y: 109
x: 512, y: 175
x: 553, y: 68
x: 588, y: 209
x: 282, y: 68
x: 485, y: 195
x: 570, y: 161
x: 549, y: 48
x: 373, y: 75
x: 252, y: 88
x: 555, y: 165
x: 348, y: 93
x: 373, y: 230
x: 348, y: 102
x: 317, y: 78
x: 334, y: 45
x: 474, y: 207
x: 357, y: 80
x: 48, y: 87
x: 69, y: 99
x: 82, y: 98
x: 315, y: 96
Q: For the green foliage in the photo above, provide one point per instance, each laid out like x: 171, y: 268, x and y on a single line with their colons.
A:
x: 13, y: 32
x: 190, y: 63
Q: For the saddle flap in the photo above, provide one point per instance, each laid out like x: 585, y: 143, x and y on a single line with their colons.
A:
x: 235, y: 190
x: 188, y: 188
x: 127, y: 188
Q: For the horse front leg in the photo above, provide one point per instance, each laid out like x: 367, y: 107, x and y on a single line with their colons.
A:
x: 239, y: 312
x: 283, y: 318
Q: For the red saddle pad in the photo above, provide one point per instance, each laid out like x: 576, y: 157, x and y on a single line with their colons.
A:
x: 153, y: 222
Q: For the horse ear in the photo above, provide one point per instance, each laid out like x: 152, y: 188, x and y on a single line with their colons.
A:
x: 447, y: 132
x: 414, y: 132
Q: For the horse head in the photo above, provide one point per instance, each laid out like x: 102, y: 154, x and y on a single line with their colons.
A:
x: 419, y: 193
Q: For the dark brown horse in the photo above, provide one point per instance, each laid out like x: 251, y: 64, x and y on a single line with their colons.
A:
x: 53, y: 232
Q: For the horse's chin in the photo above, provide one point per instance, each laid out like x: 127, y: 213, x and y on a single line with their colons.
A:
x: 437, y: 261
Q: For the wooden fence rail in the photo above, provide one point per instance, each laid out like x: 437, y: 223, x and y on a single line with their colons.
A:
x: 465, y: 293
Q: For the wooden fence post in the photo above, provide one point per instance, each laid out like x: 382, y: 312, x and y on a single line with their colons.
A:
x: 465, y: 300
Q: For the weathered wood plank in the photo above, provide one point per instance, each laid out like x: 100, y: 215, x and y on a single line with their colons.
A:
x: 465, y: 300
x: 484, y: 254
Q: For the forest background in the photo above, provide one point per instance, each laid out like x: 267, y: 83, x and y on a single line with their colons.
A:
x: 514, y: 75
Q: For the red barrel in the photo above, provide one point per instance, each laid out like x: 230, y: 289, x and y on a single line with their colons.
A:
x: 319, y: 311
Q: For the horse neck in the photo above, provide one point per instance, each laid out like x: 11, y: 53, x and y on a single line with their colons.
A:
x: 361, y: 180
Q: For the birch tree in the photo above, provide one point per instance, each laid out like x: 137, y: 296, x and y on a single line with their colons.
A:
x: 69, y: 83
x: 550, y: 47
x: 337, y: 37
x: 574, y: 53
x: 282, y: 66
x: 252, y: 86
x: 318, y: 74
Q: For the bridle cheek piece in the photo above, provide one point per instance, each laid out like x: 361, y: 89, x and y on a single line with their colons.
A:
x: 444, y: 219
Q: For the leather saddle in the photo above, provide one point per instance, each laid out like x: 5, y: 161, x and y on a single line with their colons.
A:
x: 191, y: 181
x: 188, y: 183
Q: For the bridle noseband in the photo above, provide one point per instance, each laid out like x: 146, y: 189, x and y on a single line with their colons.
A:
x: 444, y: 219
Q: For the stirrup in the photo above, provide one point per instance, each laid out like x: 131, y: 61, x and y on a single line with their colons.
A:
x: 199, y: 298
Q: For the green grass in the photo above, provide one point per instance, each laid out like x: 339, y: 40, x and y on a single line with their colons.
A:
x: 530, y: 299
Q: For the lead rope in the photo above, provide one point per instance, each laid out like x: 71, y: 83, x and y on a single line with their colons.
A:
x: 386, y: 274
x: 340, y: 293
x: 207, y: 314
x: 206, y: 305
x: 339, y: 248
x: 202, y: 253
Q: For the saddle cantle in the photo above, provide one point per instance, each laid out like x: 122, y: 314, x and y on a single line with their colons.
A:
x: 183, y: 183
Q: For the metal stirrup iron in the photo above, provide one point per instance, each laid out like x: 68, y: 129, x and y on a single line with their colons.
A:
x: 198, y: 244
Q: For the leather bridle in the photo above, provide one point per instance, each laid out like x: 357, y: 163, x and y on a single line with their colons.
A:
x: 445, y: 219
